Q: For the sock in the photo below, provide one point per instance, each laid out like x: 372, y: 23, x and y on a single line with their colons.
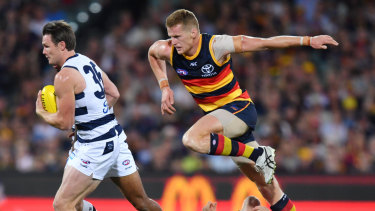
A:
x: 221, y: 145
x: 284, y: 204
x: 87, y: 206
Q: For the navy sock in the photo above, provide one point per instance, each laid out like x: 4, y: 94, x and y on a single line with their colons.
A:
x: 284, y: 204
x: 256, y: 153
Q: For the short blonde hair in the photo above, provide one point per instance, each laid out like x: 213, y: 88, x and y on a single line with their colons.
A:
x: 182, y: 16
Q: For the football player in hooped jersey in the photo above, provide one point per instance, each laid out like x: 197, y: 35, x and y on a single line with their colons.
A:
x: 85, y: 97
x: 203, y: 63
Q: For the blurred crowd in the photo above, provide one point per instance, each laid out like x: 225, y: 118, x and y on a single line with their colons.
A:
x: 316, y: 107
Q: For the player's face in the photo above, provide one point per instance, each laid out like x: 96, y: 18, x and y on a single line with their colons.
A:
x: 181, y: 37
x: 50, y: 50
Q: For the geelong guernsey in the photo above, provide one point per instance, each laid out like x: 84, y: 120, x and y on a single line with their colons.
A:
x: 211, y: 84
x: 94, y: 121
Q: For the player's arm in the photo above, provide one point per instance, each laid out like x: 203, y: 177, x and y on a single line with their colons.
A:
x: 65, y: 82
x: 111, y: 92
x: 244, y: 43
x: 158, y: 53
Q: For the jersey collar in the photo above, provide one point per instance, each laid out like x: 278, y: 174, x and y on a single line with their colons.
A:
x: 197, y: 52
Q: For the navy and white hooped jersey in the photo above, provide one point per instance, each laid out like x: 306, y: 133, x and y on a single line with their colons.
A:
x: 94, y: 121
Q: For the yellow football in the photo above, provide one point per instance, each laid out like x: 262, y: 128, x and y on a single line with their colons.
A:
x: 49, y: 98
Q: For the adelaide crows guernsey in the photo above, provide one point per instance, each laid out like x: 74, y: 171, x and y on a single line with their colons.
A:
x: 211, y: 84
x: 94, y: 121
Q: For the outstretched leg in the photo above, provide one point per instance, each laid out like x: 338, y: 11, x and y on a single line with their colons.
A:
x: 271, y: 192
x: 205, y: 136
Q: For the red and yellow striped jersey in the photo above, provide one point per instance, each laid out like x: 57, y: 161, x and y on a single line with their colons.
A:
x: 211, y: 84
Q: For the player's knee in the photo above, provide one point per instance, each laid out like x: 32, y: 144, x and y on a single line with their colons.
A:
x: 59, y: 204
x: 196, y: 141
x: 188, y: 141
x: 56, y: 204
x: 63, y: 204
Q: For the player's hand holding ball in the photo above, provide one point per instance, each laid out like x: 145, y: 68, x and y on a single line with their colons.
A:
x: 46, y: 100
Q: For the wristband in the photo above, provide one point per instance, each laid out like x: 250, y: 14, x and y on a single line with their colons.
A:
x: 306, y: 40
x: 163, y: 83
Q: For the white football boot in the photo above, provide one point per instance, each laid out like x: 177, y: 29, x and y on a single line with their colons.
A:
x: 266, y: 164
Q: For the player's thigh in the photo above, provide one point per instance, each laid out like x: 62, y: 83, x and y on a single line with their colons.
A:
x: 125, y: 175
x: 131, y: 187
x: 220, y: 121
x: 231, y: 125
x: 205, y: 125
x: 75, y: 185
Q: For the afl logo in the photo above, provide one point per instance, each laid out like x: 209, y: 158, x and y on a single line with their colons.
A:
x: 181, y: 72
x: 85, y: 161
x: 126, y: 162
x: 207, y: 68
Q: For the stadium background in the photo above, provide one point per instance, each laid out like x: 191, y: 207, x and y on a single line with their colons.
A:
x: 317, y: 108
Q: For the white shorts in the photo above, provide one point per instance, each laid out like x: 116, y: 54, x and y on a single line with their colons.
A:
x: 101, y: 159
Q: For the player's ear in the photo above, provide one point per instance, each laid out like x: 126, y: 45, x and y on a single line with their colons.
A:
x: 61, y: 45
x: 194, y: 32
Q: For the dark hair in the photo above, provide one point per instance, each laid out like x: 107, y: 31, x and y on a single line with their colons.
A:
x: 182, y: 16
x: 61, y: 31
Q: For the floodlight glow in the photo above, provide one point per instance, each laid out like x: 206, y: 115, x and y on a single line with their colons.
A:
x: 82, y: 17
x: 95, y: 7
x: 74, y: 26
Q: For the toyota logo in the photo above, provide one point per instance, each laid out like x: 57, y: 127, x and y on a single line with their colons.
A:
x: 207, y: 68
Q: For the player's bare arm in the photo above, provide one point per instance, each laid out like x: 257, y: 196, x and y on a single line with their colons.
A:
x: 158, y: 54
x: 244, y: 43
x: 111, y: 92
x: 67, y: 83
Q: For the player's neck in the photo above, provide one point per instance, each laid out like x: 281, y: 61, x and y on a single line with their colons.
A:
x: 67, y: 55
